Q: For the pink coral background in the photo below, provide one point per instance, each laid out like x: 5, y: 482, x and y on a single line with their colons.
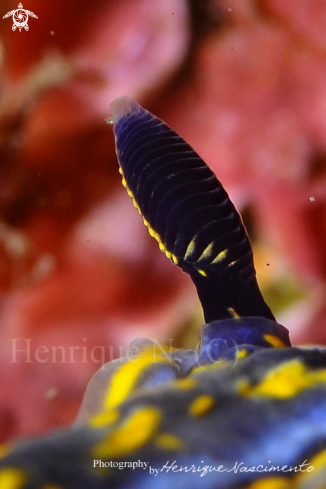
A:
x: 243, y: 82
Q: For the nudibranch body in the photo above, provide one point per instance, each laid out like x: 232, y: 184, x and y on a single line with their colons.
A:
x: 244, y: 410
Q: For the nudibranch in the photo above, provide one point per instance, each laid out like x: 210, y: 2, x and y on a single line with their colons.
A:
x: 245, y: 410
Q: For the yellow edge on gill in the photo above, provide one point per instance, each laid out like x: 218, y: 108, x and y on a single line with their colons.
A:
x: 151, y: 231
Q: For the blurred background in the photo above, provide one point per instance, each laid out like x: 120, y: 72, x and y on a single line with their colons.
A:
x: 244, y: 82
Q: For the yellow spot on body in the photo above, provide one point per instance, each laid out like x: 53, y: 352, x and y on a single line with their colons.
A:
x: 207, y: 252
x: 168, y: 441
x: 319, y: 460
x: 134, y: 432
x: 285, y: 381
x: 186, y: 383
x: 220, y: 256
x: 12, y: 478
x: 272, y: 483
x: 233, y: 313
x: 103, y: 419
x: 201, y: 405
x: 201, y: 368
x: 213, y: 366
x: 125, y: 378
x: 232, y: 263
x: 190, y: 249
x: 274, y: 341
x: 241, y: 354
x: 314, y: 478
x: 204, y: 274
x: 174, y: 259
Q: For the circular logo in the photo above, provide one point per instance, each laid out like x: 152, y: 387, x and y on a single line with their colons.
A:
x: 20, y: 18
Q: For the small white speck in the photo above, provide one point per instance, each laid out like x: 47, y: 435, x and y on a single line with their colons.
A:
x: 229, y: 10
x: 52, y: 33
x: 51, y: 393
x: 312, y: 199
x: 109, y: 120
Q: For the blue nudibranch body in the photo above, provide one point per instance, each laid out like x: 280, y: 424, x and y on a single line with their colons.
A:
x: 245, y: 410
